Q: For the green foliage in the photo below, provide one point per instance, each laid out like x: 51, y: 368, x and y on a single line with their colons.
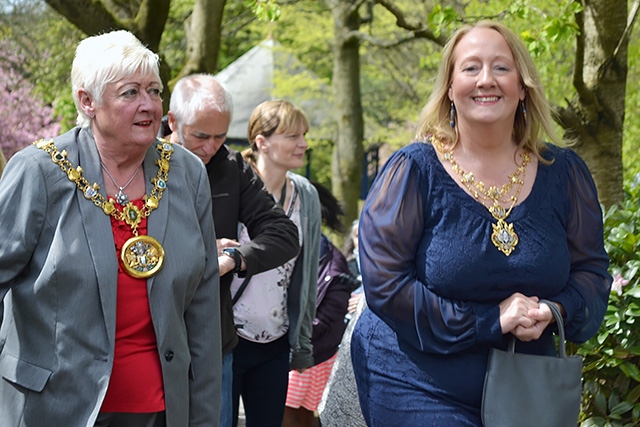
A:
x: 305, y: 31
x: 396, y: 79
x: 320, y: 154
x: 265, y: 10
x: 611, y: 392
x: 631, y: 132
x: 173, y: 44
x: 557, y: 27
x: 443, y: 19
x: 48, y: 44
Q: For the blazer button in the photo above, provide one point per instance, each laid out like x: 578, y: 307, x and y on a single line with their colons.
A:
x: 168, y: 356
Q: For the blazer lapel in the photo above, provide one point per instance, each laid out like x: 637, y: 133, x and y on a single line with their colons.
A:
x: 98, y: 232
x: 157, y: 221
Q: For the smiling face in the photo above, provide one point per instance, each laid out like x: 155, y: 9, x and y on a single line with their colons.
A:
x: 284, y: 150
x: 130, y: 112
x: 486, y: 86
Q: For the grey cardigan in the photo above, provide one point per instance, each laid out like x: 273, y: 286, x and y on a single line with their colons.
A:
x: 301, y: 298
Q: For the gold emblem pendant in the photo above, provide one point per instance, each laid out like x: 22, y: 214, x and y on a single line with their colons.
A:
x: 503, y: 237
x: 142, y: 256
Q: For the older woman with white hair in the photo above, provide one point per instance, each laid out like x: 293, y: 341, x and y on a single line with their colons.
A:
x: 111, y: 300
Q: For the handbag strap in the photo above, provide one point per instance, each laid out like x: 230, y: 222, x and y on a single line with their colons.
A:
x: 562, y: 349
x: 560, y: 322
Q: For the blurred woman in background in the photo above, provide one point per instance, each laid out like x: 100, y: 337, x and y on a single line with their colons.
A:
x: 274, y: 310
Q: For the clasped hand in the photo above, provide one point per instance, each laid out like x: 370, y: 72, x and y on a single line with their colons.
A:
x: 524, y: 317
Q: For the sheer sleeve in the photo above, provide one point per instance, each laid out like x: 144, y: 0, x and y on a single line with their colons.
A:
x: 392, y: 226
x: 587, y: 292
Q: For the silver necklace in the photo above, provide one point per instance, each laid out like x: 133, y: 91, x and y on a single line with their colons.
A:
x: 121, y: 198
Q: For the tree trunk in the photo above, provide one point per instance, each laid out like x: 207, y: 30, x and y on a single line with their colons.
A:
x: 348, y: 153
x: 203, y: 31
x: 595, y: 116
x: 146, y: 22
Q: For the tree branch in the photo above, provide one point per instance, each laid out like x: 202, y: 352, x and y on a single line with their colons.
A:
x: 418, y: 30
x: 567, y: 118
x: 578, y: 73
x: 119, y: 8
x: 355, y: 6
x: 150, y: 20
x: 627, y: 31
x: 378, y: 42
x: 90, y: 17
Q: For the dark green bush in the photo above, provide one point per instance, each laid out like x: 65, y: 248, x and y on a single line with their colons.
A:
x: 611, y: 392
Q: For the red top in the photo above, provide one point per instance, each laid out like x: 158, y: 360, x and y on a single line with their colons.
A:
x: 136, y: 380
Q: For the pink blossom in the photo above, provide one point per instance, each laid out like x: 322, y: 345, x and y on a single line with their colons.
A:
x: 24, y: 117
x: 618, y: 283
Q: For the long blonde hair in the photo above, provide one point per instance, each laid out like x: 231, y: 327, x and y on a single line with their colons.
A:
x: 529, y: 133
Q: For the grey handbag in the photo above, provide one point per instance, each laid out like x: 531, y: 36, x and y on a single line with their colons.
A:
x: 523, y: 390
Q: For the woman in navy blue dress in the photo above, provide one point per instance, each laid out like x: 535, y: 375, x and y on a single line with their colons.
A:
x: 464, y: 232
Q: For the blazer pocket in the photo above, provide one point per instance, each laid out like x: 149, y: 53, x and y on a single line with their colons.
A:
x: 23, y: 373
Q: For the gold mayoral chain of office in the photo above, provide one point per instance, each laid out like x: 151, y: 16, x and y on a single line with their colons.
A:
x: 503, y: 235
x: 142, y: 256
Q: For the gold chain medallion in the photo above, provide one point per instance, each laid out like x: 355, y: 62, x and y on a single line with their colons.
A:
x: 142, y: 256
x: 503, y: 235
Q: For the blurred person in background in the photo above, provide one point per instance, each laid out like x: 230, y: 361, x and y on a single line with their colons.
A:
x: 274, y: 313
x: 199, y: 115
x: 351, y: 253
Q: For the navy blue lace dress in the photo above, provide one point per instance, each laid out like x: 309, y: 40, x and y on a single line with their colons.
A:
x: 433, y: 280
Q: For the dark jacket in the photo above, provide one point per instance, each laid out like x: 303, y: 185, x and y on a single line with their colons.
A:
x: 334, y: 290
x: 239, y: 195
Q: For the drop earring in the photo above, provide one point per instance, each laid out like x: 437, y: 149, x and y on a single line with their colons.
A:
x: 524, y: 112
x: 452, y: 115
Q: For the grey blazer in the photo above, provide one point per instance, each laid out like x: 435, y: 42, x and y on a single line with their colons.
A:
x: 58, y: 269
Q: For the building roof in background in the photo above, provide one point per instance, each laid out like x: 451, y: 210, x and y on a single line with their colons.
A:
x: 268, y: 72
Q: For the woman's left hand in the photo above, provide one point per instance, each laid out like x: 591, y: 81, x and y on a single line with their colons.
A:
x: 541, y: 316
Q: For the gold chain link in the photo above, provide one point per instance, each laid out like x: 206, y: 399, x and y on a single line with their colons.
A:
x: 130, y: 213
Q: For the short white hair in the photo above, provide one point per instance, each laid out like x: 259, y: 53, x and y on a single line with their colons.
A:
x: 107, y: 58
x: 195, y: 93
